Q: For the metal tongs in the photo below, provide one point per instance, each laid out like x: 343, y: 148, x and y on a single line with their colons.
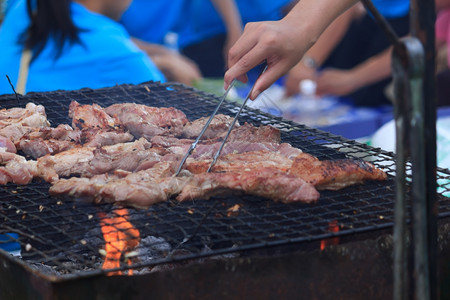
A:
x: 194, y: 144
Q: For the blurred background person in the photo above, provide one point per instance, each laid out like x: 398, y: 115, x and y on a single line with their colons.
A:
x: 345, y: 59
x: 4, y: 6
x: 443, y: 54
x: 62, y: 44
x: 152, y: 25
x: 215, y: 25
x: 211, y: 28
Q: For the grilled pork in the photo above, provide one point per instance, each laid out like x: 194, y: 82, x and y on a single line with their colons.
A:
x: 90, y: 116
x: 15, y: 168
x: 140, y: 173
x: 218, y: 127
x: 17, y: 122
x: 144, y: 188
x: 31, y: 116
x: 266, y: 182
x: 94, y: 137
x: 241, y: 161
x: 7, y: 145
x: 330, y: 175
x: 246, y: 133
x: 15, y: 132
x: 275, y: 176
x: 140, y: 189
x: 90, y: 161
x: 94, y: 127
x: 97, y: 127
x: 145, y: 121
x: 252, y: 134
x: 334, y: 174
x: 62, y: 132
x: 47, y: 140
x: 39, y: 147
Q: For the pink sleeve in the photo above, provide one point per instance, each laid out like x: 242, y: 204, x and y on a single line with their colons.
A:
x: 442, y: 25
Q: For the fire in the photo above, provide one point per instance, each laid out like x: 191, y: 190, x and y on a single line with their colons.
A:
x: 121, y: 237
x: 332, y: 227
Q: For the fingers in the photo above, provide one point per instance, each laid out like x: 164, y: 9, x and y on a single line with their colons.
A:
x: 242, y: 56
x: 247, y: 41
x: 262, y: 41
x: 239, y: 69
x: 250, y: 60
x: 275, y: 70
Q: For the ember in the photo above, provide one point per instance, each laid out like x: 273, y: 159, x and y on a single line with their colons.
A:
x: 332, y: 227
x: 121, y: 238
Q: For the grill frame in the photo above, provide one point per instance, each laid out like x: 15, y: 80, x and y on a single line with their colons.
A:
x: 319, y: 143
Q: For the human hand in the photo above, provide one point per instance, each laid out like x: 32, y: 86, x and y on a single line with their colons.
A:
x: 176, y: 67
x: 336, y: 82
x: 281, y: 43
x: 276, y: 42
x: 173, y: 65
x: 232, y: 37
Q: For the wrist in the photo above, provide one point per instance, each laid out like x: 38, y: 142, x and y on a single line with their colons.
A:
x: 309, y: 62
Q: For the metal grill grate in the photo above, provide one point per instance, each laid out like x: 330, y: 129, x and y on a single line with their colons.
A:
x: 63, y: 238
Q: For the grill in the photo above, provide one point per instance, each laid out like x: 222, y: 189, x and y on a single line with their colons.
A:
x: 61, y: 239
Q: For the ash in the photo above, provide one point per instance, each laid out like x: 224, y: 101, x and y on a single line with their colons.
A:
x: 86, y: 254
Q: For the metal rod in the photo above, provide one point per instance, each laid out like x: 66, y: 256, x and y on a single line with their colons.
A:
x: 410, y: 107
x: 390, y: 33
x: 194, y: 144
x: 419, y: 182
x: 422, y: 18
x: 422, y: 144
x: 402, y: 152
x: 216, y: 156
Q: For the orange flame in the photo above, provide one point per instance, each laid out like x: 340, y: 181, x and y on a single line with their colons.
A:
x: 120, y: 236
x: 332, y: 227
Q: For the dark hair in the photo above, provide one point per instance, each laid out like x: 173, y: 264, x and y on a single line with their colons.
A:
x: 49, y: 18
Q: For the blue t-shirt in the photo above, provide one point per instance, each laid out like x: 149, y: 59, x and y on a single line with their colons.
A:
x: 152, y: 20
x: 105, y: 57
x: 206, y: 22
x: 391, y: 9
x: 8, y: 4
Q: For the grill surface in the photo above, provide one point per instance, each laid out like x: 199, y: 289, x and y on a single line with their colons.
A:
x: 63, y: 238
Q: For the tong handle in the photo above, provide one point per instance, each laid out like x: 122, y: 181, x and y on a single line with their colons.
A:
x: 194, y: 144
x: 216, y: 156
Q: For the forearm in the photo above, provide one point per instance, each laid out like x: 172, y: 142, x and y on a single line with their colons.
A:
x: 374, y: 69
x: 151, y: 49
x: 316, y: 15
x: 328, y: 40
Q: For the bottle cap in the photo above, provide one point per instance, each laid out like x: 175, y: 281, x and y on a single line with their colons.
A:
x: 308, y: 87
x: 171, y: 40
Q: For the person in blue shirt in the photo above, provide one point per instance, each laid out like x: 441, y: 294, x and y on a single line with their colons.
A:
x: 151, y: 25
x: 152, y: 20
x: 349, y: 58
x: 211, y: 30
x: 67, y: 45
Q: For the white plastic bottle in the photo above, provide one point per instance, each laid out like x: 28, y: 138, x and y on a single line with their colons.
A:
x: 308, y: 92
x: 308, y: 103
x: 171, y: 41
